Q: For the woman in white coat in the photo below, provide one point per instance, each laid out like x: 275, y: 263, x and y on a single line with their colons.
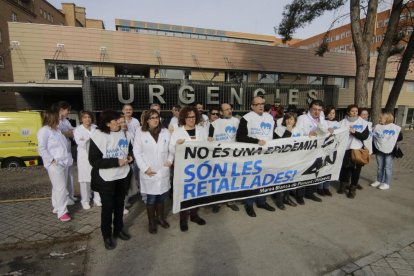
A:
x: 151, y: 154
x: 189, y: 130
x: 52, y: 146
x: 82, y: 135
x: 358, y: 132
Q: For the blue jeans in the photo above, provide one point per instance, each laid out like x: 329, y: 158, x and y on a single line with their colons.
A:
x: 384, y: 171
x: 260, y: 200
x: 156, y: 199
x: 324, y: 185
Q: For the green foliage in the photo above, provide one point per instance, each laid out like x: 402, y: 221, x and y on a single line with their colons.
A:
x: 302, y: 12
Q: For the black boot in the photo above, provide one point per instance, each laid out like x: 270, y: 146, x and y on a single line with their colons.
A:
x: 109, y: 243
x: 341, y: 188
x: 152, y: 225
x: 288, y: 201
x: 160, y: 216
x: 184, y: 221
x: 351, y: 192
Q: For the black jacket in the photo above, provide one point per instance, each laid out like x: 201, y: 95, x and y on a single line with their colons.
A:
x: 97, y: 162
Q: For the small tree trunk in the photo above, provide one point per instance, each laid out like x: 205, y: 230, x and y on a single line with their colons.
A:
x: 399, y: 79
x: 381, y: 66
x: 362, y: 41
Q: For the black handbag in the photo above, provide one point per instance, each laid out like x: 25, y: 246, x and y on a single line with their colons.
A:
x: 397, y: 152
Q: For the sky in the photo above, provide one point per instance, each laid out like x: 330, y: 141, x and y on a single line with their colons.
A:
x: 249, y: 16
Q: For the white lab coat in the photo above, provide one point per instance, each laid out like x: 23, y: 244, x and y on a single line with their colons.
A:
x: 82, y: 137
x: 307, y: 124
x: 52, y: 144
x: 151, y: 154
x: 181, y: 133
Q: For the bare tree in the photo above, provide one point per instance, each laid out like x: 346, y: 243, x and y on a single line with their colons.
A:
x: 362, y: 33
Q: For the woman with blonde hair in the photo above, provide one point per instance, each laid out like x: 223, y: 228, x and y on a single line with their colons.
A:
x: 386, y: 134
x: 53, y: 148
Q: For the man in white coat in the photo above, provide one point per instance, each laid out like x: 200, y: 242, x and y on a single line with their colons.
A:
x: 256, y: 127
x: 312, y: 124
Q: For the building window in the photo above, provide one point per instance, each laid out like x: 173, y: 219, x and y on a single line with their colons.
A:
x: 341, y: 82
x: 410, y: 86
x: 315, y: 80
x: 41, y: 12
x: 81, y: 71
x: 268, y: 78
x: 61, y: 71
x: 237, y: 77
x: 1, y: 62
x: 13, y: 17
x: 172, y: 74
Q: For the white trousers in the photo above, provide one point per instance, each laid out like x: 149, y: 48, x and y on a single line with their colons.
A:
x: 85, y: 191
x: 58, y: 176
x: 69, y: 183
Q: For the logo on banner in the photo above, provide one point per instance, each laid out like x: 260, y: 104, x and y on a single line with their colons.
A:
x: 266, y: 127
x: 230, y: 131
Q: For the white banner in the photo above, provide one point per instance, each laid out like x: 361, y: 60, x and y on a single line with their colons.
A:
x: 213, y: 172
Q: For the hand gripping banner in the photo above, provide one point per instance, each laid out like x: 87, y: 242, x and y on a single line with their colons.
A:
x: 213, y: 172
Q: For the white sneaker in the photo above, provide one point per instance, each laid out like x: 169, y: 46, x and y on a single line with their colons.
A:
x: 375, y: 184
x: 70, y: 202
x: 126, y: 211
x: 86, y: 206
x: 384, y: 186
x: 99, y: 204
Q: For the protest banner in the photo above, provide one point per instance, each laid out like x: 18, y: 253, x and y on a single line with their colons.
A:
x: 213, y: 172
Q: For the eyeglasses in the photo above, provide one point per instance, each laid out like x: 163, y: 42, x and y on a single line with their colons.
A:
x: 154, y: 118
x: 215, y: 113
x: 256, y: 104
x: 190, y: 117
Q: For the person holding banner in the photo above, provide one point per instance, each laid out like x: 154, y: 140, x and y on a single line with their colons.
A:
x: 312, y: 124
x: 224, y: 130
x: 151, y: 152
x: 110, y: 154
x: 330, y: 113
x: 256, y: 127
x: 189, y: 130
x: 386, y: 135
x: 358, y: 132
x: 286, y: 129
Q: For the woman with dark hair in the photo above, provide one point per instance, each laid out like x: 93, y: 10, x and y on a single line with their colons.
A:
x: 110, y: 155
x: 82, y: 135
x: 189, y: 130
x: 53, y: 149
x: 151, y: 152
x: 358, y: 132
x: 286, y: 130
x: 330, y: 113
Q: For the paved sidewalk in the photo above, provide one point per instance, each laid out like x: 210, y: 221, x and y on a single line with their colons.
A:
x: 387, y: 221
x: 33, y: 221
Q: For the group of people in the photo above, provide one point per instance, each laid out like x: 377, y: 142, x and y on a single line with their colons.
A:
x: 121, y: 153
